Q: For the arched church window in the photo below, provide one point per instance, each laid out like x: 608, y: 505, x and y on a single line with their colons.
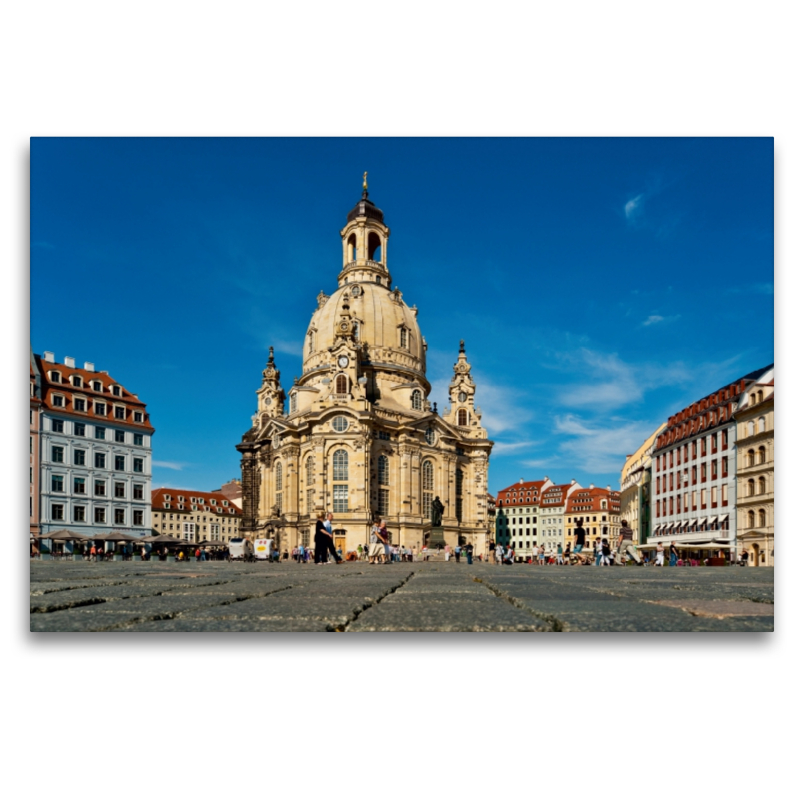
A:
x: 309, y: 471
x: 762, y: 518
x: 404, y: 337
x: 383, y: 470
x: 293, y: 403
x: 355, y: 330
x: 311, y: 341
x: 427, y: 488
x: 751, y: 519
x: 341, y: 384
x: 279, y: 477
x: 351, y: 248
x: 416, y: 400
x: 459, y: 493
x: 340, y: 463
x: 462, y: 416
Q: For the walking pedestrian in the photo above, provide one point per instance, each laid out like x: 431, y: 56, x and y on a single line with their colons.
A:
x: 323, y: 540
x: 580, y: 541
x: 469, y: 549
x: 625, y: 544
x: 559, y: 554
x: 542, y: 556
x: 673, y: 555
x: 605, y: 553
x: 659, y: 555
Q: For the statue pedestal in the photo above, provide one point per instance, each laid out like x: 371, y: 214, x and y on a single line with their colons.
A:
x: 436, y: 537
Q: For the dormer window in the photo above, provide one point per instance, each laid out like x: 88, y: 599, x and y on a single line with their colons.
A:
x: 58, y: 401
x: 181, y: 498
x: 167, y: 497
x: 97, y: 386
x: 77, y: 381
x: 116, y: 391
x: 55, y: 377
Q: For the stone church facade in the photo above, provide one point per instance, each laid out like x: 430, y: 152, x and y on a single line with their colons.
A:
x: 359, y: 435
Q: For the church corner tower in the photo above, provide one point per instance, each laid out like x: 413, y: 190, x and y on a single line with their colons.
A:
x: 361, y: 437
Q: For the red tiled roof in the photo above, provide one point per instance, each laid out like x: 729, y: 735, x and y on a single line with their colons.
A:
x: 526, y: 493
x: 589, y: 500
x: 86, y: 391
x: 158, y: 499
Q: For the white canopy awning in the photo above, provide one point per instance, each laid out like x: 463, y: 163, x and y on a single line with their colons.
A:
x: 723, y: 517
x: 701, y: 521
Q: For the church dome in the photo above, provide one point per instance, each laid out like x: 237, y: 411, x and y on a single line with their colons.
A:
x: 385, y: 323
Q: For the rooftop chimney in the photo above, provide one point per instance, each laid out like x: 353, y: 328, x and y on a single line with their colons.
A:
x: 522, y: 480
x: 88, y: 366
x: 591, y: 486
x: 48, y: 356
x: 608, y: 488
x: 69, y: 361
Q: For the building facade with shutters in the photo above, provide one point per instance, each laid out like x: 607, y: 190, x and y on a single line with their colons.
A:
x: 195, y: 516
x: 693, y: 498
x: 360, y: 436
x: 95, y: 452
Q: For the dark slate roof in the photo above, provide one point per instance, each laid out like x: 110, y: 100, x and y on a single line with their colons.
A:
x: 365, y: 208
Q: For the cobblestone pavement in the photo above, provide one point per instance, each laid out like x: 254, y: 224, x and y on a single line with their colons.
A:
x: 217, y: 596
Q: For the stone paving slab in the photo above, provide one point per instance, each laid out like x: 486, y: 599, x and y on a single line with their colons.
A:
x: 217, y: 596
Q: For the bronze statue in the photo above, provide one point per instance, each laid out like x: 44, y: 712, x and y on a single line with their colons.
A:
x: 437, y: 509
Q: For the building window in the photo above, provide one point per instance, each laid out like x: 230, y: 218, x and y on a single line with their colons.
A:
x: 427, y: 488
x: 293, y: 403
x: 79, y: 404
x: 80, y: 429
x: 119, y: 436
x: 57, y: 454
x: 55, y: 377
x: 115, y: 390
x: 97, y: 386
x: 58, y: 426
x: 100, y: 488
x: 383, y: 470
x: 279, y: 477
x: 310, y: 342
x: 404, y: 338
x: 58, y: 401
x: 79, y: 513
x: 462, y: 416
x: 99, y: 515
x: 750, y: 458
x: 99, y: 432
x: 762, y: 455
x: 119, y: 489
x: 57, y: 483
x: 762, y: 518
x: 762, y: 424
x: 309, y: 501
x: 340, y: 465
x: 137, y: 416
x: 100, y: 409
x: 79, y: 485
x: 751, y: 519
x: 119, y: 516
x: 100, y: 460
x: 138, y: 465
x: 341, y: 384
x: 119, y: 412
x: 138, y: 439
x: 762, y: 486
x: 79, y: 458
x: 57, y: 511
x: 340, y: 497
x: 751, y: 487
x: 138, y: 518
x: 416, y: 400
x: 383, y: 502
x: 119, y: 463
x: 138, y: 491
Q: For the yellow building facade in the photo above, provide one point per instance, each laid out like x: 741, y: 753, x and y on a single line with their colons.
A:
x: 634, y: 487
x: 755, y: 478
x: 360, y: 436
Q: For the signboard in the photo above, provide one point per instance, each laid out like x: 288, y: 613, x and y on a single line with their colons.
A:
x: 263, y: 547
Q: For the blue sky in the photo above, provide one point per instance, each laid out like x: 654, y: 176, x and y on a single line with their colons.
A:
x: 600, y: 284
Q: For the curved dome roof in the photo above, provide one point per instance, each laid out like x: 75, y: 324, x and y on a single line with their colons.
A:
x: 380, y: 313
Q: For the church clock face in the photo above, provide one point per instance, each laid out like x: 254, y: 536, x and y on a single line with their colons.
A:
x: 462, y: 397
x: 268, y: 401
x: 343, y: 361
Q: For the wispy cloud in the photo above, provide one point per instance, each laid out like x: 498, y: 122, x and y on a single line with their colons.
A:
x: 609, y: 382
x: 176, y: 465
x: 633, y: 208
x: 512, y: 447
x: 291, y: 347
x: 654, y: 319
x: 752, y: 288
x: 600, y: 448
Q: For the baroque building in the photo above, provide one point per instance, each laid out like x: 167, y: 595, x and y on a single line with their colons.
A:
x: 360, y: 436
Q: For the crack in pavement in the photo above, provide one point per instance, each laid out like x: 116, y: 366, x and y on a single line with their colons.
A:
x: 392, y: 590
x: 556, y: 625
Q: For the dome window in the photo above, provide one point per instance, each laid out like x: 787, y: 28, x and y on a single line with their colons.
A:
x: 416, y: 400
x: 340, y: 424
x: 374, y: 247
x: 404, y: 338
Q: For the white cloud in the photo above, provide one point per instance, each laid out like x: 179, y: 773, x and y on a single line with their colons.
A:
x: 176, y: 465
x: 633, y: 207
x: 511, y: 447
x: 655, y: 318
x: 289, y: 347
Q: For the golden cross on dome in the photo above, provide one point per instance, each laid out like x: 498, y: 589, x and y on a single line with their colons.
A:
x: 365, y: 181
